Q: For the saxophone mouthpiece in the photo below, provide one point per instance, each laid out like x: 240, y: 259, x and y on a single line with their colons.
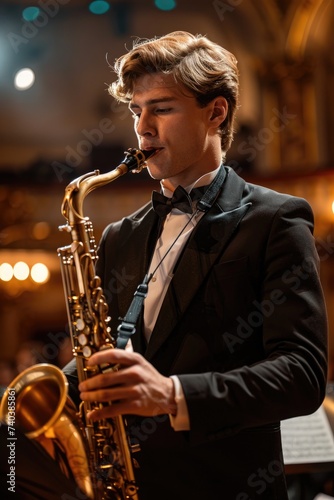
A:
x: 135, y: 159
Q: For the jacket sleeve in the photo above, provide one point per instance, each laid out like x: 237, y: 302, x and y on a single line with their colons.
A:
x: 290, y: 379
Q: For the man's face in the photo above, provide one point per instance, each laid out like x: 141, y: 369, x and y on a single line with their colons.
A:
x: 169, y: 119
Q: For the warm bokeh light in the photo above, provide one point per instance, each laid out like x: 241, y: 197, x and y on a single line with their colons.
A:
x: 6, y: 272
x: 24, y: 79
x: 27, y: 275
x: 39, y: 273
x: 41, y: 230
x: 333, y: 207
x: 21, y: 271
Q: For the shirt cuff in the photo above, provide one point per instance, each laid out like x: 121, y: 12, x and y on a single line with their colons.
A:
x: 180, y: 421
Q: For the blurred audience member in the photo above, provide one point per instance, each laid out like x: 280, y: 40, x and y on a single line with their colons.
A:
x: 65, y: 352
x: 7, y: 374
x: 29, y: 353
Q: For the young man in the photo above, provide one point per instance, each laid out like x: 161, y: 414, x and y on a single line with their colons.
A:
x: 232, y: 338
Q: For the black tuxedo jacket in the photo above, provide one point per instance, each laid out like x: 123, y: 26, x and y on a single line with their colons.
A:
x: 243, y: 325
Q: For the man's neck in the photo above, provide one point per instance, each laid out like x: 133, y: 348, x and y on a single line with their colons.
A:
x: 203, y: 180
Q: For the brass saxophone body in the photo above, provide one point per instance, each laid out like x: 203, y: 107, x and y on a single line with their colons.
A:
x: 97, y: 455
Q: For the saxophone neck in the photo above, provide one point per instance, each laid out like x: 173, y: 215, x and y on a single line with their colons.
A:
x: 78, y: 189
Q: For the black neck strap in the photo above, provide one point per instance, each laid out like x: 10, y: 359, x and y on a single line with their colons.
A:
x: 212, y: 192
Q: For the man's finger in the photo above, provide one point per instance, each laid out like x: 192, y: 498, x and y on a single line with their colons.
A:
x: 113, y: 356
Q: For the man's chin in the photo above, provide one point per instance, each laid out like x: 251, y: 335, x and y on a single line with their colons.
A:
x: 155, y: 173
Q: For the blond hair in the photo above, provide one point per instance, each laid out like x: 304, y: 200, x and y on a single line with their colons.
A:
x: 205, y: 68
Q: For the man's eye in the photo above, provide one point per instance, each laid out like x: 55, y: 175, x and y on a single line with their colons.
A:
x: 163, y: 110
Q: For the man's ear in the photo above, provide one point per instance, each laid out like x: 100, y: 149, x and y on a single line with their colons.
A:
x: 219, y: 108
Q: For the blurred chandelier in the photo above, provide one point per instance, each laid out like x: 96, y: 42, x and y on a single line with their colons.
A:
x: 18, y: 277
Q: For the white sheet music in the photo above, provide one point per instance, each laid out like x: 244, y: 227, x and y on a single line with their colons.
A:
x: 308, y: 439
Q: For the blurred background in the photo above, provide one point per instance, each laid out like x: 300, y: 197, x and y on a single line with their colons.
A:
x: 57, y: 121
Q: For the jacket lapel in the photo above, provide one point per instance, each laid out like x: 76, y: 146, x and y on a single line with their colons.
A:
x: 206, y: 244
x: 137, y: 236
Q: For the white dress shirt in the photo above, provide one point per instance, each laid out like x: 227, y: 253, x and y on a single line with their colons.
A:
x: 169, y: 247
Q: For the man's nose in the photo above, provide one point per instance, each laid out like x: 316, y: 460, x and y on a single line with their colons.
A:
x: 145, y: 124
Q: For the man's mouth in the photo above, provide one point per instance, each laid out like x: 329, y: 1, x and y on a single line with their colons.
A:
x: 152, y: 152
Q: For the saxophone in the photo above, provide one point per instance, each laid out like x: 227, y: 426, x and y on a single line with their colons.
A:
x: 97, y: 455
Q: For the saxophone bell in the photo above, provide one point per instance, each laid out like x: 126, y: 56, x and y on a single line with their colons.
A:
x: 45, y: 413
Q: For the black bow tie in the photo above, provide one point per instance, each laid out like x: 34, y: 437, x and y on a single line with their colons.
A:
x: 180, y: 200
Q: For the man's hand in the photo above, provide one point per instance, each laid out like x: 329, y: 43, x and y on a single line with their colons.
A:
x: 135, y: 388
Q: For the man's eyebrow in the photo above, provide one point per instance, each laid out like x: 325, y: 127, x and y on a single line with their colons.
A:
x: 150, y: 102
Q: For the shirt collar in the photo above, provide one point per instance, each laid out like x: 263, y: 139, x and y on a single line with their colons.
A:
x: 204, y: 180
